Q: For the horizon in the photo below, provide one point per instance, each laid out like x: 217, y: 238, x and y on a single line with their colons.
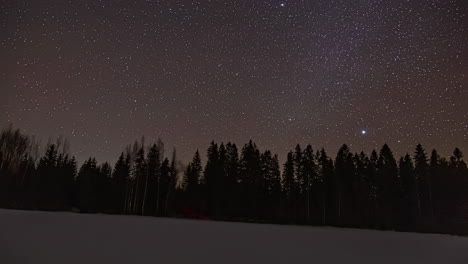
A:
x: 169, y: 150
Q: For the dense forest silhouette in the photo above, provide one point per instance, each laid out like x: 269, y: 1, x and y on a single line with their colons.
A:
x: 418, y: 192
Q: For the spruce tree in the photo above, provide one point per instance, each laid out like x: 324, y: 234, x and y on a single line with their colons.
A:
x: 221, y: 179
x: 49, y: 180
x: 210, y: 178
x: 120, y: 178
x: 171, y: 188
x: 88, y: 186
x: 191, y: 181
x: 232, y: 180
x: 458, y: 172
x: 251, y: 180
x: 103, y: 187
x: 187, y: 179
x: 326, y: 187
x: 289, y: 186
x: 139, y: 174
x: 387, y: 188
x: 344, y: 170
x: 271, y: 186
x: 308, y: 174
x: 298, y: 169
x: 164, y: 184
x: 153, y: 161
x: 424, y: 184
x: 409, y: 202
x: 361, y: 190
x: 197, y: 170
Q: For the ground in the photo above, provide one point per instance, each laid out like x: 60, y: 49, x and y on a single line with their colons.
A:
x: 60, y: 237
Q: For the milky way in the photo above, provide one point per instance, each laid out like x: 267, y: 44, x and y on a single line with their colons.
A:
x: 104, y: 73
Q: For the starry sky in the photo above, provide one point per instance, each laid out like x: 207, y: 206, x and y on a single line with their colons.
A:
x: 325, y: 72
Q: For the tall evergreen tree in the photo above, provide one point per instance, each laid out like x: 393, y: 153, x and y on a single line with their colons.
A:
x: 171, y: 188
x: 103, y: 187
x: 191, y: 182
x: 88, y: 187
x: 120, y: 178
x: 139, y: 179
x: 153, y: 161
x: 271, y: 185
x: 424, y: 184
x: 361, y: 191
x: 326, y: 186
x: 458, y: 172
x: 387, y: 188
x: 211, y: 178
x: 308, y: 174
x: 345, y: 175
x: 409, y: 199
x: 232, y: 189
x: 251, y: 180
x: 299, y: 172
x: 164, y: 184
x: 289, y: 184
x: 50, y: 180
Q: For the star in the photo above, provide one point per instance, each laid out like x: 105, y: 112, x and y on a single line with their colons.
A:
x: 291, y: 73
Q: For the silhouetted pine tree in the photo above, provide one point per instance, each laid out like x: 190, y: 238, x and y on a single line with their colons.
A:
x: 289, y: 185
x: 46, y: 175
x: 308, y: 174
x: 458, y: 172
x: 55, y: 181
x: 153, y: 161
x: 232, y: 187
x: 27, y: 184
x: 221, y: 179
x: 345, y: 175
x: 69, y: 174
x: 171, y: 187
x: 87, y: 182
x: 120, y: 177
x: 361, y: 191
x: 271, y: 186
x: 409, y: 199
x: 436, y: 172
x: 164, y: 183
x: 388, y: 190
x: 187, y: 180
x: 424, y: 188
x: 211, y: 179
x: 325, y: 186
x: 300, y: 197
x: 191, y: 182
x: 139, y: 176
x: 251, y: 179
x: 274, y: 184
x: 373, y: 191
x: 104, y: 187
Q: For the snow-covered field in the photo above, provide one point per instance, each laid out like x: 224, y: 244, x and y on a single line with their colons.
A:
x: 55, y: 237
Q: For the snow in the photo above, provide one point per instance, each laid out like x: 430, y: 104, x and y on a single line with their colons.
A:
x: 60, y: 237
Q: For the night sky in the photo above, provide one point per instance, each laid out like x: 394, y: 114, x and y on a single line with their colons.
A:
x: 104, y: 73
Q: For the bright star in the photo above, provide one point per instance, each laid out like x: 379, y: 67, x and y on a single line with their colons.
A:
x: 363, y: 132
x: 282, y: 4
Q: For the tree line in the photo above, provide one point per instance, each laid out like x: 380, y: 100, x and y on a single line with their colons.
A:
x: 418, y: 192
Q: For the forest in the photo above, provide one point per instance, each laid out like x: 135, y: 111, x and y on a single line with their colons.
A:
x: 419, y: 192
